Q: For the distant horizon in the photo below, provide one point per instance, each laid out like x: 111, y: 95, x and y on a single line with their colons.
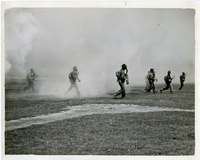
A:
x: 62, y: 79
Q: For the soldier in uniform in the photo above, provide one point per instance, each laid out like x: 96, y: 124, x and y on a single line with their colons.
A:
x: 151, y: 78
x: 30, y: 78
x: 122, y: 76
x: 73, y: 76
x: 182, y: 80
x: 168, y: 80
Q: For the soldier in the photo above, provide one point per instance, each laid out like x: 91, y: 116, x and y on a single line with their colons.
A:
x: 168, y: 81
x: 122, y: 76
x: 151, y: 77
x: 73, y: 76
x: 30, y: 78
x: 182, y: 80
x: 147, y: 82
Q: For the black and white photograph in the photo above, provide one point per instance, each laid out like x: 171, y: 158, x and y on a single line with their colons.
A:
x: 98, y: 81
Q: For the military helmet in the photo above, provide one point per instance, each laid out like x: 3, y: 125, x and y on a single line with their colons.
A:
x: 75, y: 68
x: 183, y: 73
x: 152, y: 70
x: 169, y: 71
x: 124, y: 66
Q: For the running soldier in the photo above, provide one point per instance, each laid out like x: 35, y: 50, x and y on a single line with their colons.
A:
x: 182, y: 80
x: 151, y: 78
x: 168, y: 81
x: 122, y: 76
x: 73, y: 76
x: 30, y: 78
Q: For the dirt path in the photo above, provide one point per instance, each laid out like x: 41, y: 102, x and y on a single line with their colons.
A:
x: 87, y: 109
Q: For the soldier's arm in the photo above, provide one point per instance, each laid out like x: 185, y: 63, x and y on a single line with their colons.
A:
x: 127, y: 79
x: 78, y: 79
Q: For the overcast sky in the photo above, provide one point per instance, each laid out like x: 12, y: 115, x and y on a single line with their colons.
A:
x: 99, y: 41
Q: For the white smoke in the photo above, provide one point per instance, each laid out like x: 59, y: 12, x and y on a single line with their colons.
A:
x: 8, y: 66
x: 20, y: 34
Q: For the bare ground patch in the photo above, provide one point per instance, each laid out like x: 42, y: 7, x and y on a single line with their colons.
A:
x: 86, y: 109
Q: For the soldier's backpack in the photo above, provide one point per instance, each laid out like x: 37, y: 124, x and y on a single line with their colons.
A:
x: 118, y: 75
x: 182, y: 78
x: 73, y: 76
x: 167, y: 79
x: 70, y: 75
x: 33, y: 75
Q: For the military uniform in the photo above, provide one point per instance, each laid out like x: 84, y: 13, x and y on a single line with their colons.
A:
x: 30, y: 78
x: 73, y: 77
x: 151, y: 79
x: 147, y: 82
x: 182, y: 80
x: 168, y: 79
x: 122, y: 76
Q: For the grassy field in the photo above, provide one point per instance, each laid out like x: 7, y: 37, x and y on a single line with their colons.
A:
x: 151, y: 133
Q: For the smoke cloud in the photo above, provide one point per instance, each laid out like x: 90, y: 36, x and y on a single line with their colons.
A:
x: 98, y: 42
x: 20, y: 35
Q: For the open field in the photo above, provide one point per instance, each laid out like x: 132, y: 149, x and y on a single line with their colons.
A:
x: 140, y: 124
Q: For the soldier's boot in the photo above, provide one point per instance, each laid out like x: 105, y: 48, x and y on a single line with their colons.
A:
x: 154, y: 91
x: 123, y: 94
x: 117, y: 93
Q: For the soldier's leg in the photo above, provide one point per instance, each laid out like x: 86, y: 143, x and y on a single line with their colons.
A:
x: 149, y: 89
x: 28, y: 87
x: 33, y: 87
x: 154, y: 88
x: 70, y: 88
x: 171, y: 88
x: 123, y: 90
x: 165, y: 88
x: 77, y: 90
x: 120, y: 91
x: 181, y: 86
